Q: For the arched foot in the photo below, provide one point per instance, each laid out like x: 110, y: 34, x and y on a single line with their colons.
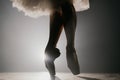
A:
x: 50, y: 55
x: 72, y: 60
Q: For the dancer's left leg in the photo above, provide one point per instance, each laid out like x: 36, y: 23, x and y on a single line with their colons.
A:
x: 51, y: 52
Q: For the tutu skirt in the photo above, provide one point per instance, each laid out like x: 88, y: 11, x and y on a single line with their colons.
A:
x: 36, y: 8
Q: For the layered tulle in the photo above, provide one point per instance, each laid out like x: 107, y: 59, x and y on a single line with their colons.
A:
x: 36, y: 8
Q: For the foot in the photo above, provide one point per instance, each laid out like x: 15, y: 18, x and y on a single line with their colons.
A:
x: 72, y: 60
x: 50, y: 56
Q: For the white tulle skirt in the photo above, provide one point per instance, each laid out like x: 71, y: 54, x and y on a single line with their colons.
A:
x: 36, y: 8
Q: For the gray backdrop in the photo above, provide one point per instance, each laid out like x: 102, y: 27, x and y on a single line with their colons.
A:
x: 23, y: 39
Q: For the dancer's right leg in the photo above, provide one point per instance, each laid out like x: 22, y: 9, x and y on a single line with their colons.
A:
x: 51, y: 52
x: 69, y: 17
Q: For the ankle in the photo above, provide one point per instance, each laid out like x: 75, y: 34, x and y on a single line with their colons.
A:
x: 52, y: 52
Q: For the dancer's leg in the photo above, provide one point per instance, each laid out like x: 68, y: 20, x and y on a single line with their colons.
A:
x: 55, y: 28
x: 69, y: 16
x: 51, y: 52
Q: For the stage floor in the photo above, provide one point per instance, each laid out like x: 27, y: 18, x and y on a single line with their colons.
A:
x: 59, y: 76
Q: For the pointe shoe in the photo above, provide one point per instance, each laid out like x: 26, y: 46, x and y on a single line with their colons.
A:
x: 72, y: 61
x: 50, y: 56
x: 52, y: 77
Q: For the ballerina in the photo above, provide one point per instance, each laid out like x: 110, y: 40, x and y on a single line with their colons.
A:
x: 62, y: 15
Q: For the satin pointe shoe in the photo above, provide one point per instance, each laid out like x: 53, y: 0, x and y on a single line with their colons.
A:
x: 72, y: 61
x: 50, y: 56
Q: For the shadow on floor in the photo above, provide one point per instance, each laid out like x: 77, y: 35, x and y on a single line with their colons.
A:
x: 55, y: 78
x: 81, y: 77
x: 88, y: 78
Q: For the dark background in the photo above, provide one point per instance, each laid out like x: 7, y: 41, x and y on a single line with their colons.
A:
x: 97, y: 38
x: 101, y: 36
